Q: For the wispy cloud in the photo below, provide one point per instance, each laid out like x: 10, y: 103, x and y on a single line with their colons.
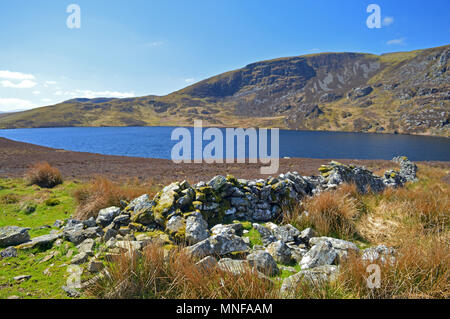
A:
x: 24, y: 84
x: 48, y: 83
x: 400, y: 41
x: 4, y: 74
x: 88, y: 94
x: 155, y: 44
x: 13, y: 104
x: 387, y: 21
x: 189, y: 80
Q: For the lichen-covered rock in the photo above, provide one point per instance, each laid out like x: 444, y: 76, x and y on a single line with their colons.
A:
x: 106, y: 215
x: 336, y: 173
x: 232, y: 229
x: 267, y: 236
x: 280, y: 252
x: 13, y: 235
x: 263, y: 262
x: 236, y: 267
x: 286, y: 233
x: 306, y: 235
x: 315, y: 277
x: 41, y: 241
x: 176, y: 227
x: 79, y: 259
x: 342, y: 247
x: 218, y: 245
x: 320, y: 254
x: 74, y: 233
x: 165, y: 202
x: 196, y: 228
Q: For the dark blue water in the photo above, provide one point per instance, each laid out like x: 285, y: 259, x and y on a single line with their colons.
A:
x: 155, y: 142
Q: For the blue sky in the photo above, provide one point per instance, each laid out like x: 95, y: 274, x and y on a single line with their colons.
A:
x: 143, y: 47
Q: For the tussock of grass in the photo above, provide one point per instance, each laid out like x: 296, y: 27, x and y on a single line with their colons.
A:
x: 421, y: 270
x: 331, y: 213
x: 101, y: 193
x: 44, y: 175
x: 159, y: 273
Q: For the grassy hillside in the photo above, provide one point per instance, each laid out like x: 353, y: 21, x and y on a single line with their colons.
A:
x: 404, y: 92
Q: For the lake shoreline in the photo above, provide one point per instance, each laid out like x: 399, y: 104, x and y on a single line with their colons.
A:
x: 224, y: 126
x: 17, y: 157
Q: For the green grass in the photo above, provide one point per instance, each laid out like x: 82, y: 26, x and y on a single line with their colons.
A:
x: 50, y: 204
x: 255, y: 237
x: 40, y: 285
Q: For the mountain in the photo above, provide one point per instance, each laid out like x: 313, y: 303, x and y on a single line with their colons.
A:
x: 403, y: 92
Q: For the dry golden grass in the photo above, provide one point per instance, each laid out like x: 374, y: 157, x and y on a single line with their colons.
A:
x: 101, y: 193
x: 331, y: 213
x: 414, y: 220
x: 44, y: 175
x: 421, y: 270
x: 161, y: 274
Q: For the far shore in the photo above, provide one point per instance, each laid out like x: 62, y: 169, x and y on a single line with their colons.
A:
x: 17, y: 157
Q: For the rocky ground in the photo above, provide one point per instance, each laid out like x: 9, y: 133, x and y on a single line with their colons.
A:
x: 214, y: 220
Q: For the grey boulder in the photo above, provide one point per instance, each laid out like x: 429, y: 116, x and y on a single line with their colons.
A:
x: 263, y: 262
x: 315, y: 277
x: 196, y: 228
x: 107, y: 215
x: 320, y: 254
x: 280, y: 252
x: 218, y: 245
x: 13, y: 235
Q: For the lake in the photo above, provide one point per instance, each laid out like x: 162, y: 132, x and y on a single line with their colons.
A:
x: 155, y: 142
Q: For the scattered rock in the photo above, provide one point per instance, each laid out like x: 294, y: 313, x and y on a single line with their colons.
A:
x: 22, y: 278
x: 9, y: 252
x: 280, y: 252
x: 315, y: 277
x: 41, y: 241
x: 263, y: 262
x: 79, y: 259
x: 218, y: 245
x: 320, y: 254
x: 236, y: 267
x: 106, y: 215
x: 13, y: 236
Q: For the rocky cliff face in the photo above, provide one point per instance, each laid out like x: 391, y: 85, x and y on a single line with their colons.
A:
x: 406, y: 92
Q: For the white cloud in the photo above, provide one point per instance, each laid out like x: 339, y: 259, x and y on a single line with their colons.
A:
x: 88, y: 94
x: 48, y: 83
x: 15, y: 75
x: 396, y: 41
x: 37, y: 92
x: 387, y: 21
x: 155, y: 44
x: 46, y: 100
x: 13, y: 104
x: 24, y: 84
x: 189, y: 80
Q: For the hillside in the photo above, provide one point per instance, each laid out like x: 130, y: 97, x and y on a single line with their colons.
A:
x: 405, y: 92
